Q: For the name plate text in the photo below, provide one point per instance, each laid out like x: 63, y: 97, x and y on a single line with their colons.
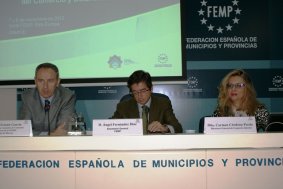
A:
x: 215, y: 125
x: 117, y: 127
x: 15, y: 128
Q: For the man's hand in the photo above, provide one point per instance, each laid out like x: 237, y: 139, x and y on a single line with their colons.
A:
x: 59, y: 131
x: 157, y: 127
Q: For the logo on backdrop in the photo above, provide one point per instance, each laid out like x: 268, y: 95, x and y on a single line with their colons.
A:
x: 162, y: 60
x: 193, y: 85
x: 107, y: 90
x: 229, y: 13
x: 192, y: 82
x: 225, y: 30
x: 116, y: 62
x: 277, y: 82
x: 220, y: 18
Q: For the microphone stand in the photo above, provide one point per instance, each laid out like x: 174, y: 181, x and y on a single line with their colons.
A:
x: 48, y: 123
x: 46, y: 108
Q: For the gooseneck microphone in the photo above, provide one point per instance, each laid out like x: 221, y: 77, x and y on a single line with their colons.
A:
x: 47, y: 108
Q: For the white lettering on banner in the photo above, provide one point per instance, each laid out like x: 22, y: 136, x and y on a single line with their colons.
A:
x: 234, y: 39
x: 240, y: 46
x: 202, y: 40
x: 235, y: 42
x: 221, y: 18
x: 229, y: 13
x: 201, y: 46
x: 219, y: 11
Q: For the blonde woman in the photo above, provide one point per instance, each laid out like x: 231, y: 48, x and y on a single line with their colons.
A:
x: 237, y: 97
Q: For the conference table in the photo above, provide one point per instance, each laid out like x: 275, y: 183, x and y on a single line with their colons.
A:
x: 181, y: 161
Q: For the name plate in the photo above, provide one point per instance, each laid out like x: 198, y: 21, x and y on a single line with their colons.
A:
x: 15, y: 128
x: 117, y: 127
x: 217, y: 125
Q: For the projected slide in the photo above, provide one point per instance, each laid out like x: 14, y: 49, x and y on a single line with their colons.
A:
x: 90, y: 38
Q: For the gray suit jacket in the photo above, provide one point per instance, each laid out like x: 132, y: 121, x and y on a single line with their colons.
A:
x: 61, y: 110
x: 160, y: 110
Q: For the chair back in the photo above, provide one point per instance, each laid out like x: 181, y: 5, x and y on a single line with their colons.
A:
x: 276, y: 123
x: 201, y: 124
x: 274, y: 127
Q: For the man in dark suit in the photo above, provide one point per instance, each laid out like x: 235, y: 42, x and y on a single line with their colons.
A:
x: 161, y: 118
x: 49, y: 106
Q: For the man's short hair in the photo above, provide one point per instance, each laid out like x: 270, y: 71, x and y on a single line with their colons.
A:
x: 48, y: 65
x: 139, y: 76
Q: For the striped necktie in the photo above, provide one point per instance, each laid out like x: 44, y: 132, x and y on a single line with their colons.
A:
x: 145, y: 111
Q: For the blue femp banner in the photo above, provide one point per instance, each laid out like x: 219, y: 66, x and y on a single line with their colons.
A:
x: 226, y: 30
x: 276, y: 27
x: 100, y: 92
x: 201, y: 84
x: 204, y: 83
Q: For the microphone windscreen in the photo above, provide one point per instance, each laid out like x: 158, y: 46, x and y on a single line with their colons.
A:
x: 47, y: 105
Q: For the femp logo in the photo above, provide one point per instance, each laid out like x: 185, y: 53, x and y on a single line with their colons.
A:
x: 229, y: 13
x: 219, y: 18
x: 163, y: 61
x: 192, y: 82
x: 193, y: 86
x: 277, y: 81
x: 226, y: 29
x: 277, y: 84
x: 162, y: 58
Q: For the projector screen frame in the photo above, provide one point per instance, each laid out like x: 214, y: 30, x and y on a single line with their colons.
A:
x: 76, y: 82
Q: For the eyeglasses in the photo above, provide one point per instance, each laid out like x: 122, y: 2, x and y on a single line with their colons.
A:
x: 236, y: 85
x: 136, y: 93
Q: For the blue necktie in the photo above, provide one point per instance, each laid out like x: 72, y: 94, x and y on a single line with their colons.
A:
x: 46, y: 105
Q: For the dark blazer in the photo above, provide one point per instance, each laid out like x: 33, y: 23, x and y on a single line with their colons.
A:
x: 61, y: 110
x: 160, y: 110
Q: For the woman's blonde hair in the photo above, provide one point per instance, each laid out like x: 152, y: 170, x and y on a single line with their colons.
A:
x: 249, y: 102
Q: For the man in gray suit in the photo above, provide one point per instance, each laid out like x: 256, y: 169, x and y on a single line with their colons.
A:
x: 160, y: 115
x: 49, y: 106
